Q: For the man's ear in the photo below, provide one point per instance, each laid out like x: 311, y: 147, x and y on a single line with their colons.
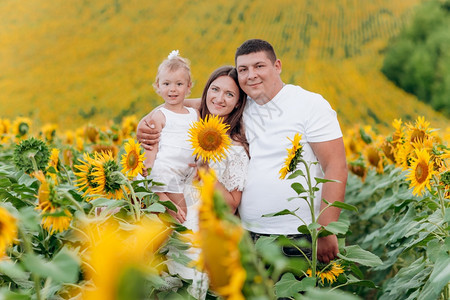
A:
x: 278, y: 65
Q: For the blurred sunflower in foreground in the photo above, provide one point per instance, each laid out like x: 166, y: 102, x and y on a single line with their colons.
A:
x: 118, y: 261
x: 8, y: 230
x: 219, y: 240
x: 209, y: 138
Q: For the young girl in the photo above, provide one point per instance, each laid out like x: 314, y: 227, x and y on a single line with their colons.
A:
x: 170, y: 160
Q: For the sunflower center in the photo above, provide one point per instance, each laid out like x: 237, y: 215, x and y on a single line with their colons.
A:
x: 421, y: 172
x: 23, y: 128
x: 132, y: 160
x: 210, y: 139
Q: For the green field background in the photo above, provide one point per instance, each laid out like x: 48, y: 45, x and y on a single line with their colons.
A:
x: 77, y: 61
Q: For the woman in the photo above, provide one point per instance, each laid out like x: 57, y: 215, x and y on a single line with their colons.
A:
x: 221, y: 96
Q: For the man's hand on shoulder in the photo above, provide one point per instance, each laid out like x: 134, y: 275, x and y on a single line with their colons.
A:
x: 147, y: 132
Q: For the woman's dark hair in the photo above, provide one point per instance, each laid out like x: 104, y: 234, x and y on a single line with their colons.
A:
x: 234, y: 119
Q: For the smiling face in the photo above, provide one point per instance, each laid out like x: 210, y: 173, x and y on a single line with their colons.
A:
x: 173, y: 86
x: 222, y: 96
x: 258, y: 76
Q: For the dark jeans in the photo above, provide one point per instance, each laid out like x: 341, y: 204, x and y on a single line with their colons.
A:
x: 289, y: 251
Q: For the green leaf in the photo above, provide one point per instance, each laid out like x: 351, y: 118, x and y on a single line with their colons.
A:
x: 303, y: 229
x: 12, y: 270
x: 355, y: 254
x: 169, y: 205
x: 288, y: 285
x: 5, y: 182
x: 296, y: 174
x: 298, y: 188
x: 30, y: 218
x: 337, y: 227
x: 323, y: 180
x: 355, y: 281
x: 439, y: 278
x: 344, y: 205
x: 280, y: 213
x: 325, y: 293
x: 155, y: 207
x: 63, y: 268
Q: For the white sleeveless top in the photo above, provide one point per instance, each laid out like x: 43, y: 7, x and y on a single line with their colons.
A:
x: 174, y: 155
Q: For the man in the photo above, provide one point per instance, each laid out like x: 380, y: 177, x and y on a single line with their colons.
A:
x: 275, y: 112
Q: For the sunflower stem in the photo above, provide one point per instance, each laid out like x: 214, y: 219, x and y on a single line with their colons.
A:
x: 132, y: 207
x: 314, y: 233
x: 33, y: 161
x: 136, y: 203
x: 29, y: 250
x: 67, y: 174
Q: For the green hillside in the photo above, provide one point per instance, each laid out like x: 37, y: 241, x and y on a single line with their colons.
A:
x: 71, y: 62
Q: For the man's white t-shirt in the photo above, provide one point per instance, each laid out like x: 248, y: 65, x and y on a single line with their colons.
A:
x: 267, y: 127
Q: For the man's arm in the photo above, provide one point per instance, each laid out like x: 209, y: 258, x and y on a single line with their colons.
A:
x: 331, y: 156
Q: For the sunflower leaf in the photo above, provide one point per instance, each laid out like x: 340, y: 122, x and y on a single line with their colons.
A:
x: 288, y: 285
x: 296, y: 174
x: 298, y: 188
x: 355, y: 254
x: 63, y: 268
x: 323, y: 180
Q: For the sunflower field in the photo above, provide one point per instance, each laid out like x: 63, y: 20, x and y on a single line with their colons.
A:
x: 75, y: 225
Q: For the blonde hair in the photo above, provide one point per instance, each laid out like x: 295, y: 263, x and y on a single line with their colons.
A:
x: 173, y: 63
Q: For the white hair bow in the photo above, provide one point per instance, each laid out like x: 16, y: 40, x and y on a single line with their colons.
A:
x: 173, y: 54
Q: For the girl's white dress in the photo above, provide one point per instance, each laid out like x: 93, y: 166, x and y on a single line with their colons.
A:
x: 171, y: 165
x: 231, y: 172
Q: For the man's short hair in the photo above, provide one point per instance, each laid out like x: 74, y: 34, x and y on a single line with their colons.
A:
x: 256, y: 45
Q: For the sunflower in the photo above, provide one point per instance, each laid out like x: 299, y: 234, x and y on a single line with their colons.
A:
x: 293, y: 156
x: 91, y: 133
x: 5, y: 126
x: 133, y: 160
x: 21, y: 127
x: 219, y: 239
x: 8, y: 230
x: 54, y: 217
x: 85, y: 180
x: 120, y: 259
x: 358, y: 168
x: 54, y: 159
x: 69, y: 137
x: 330, y: 273
x: 99, y: 148
x: 421, y: 171
x: 209, y: 138
x: 48, y: 131
x: 103, y: 172
x: 129, y: 125
x: 30, y: 154
x: 374, y: 158
x: 419, y: 131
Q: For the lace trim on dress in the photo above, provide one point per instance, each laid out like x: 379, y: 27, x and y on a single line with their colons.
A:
x: 232, y: 171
